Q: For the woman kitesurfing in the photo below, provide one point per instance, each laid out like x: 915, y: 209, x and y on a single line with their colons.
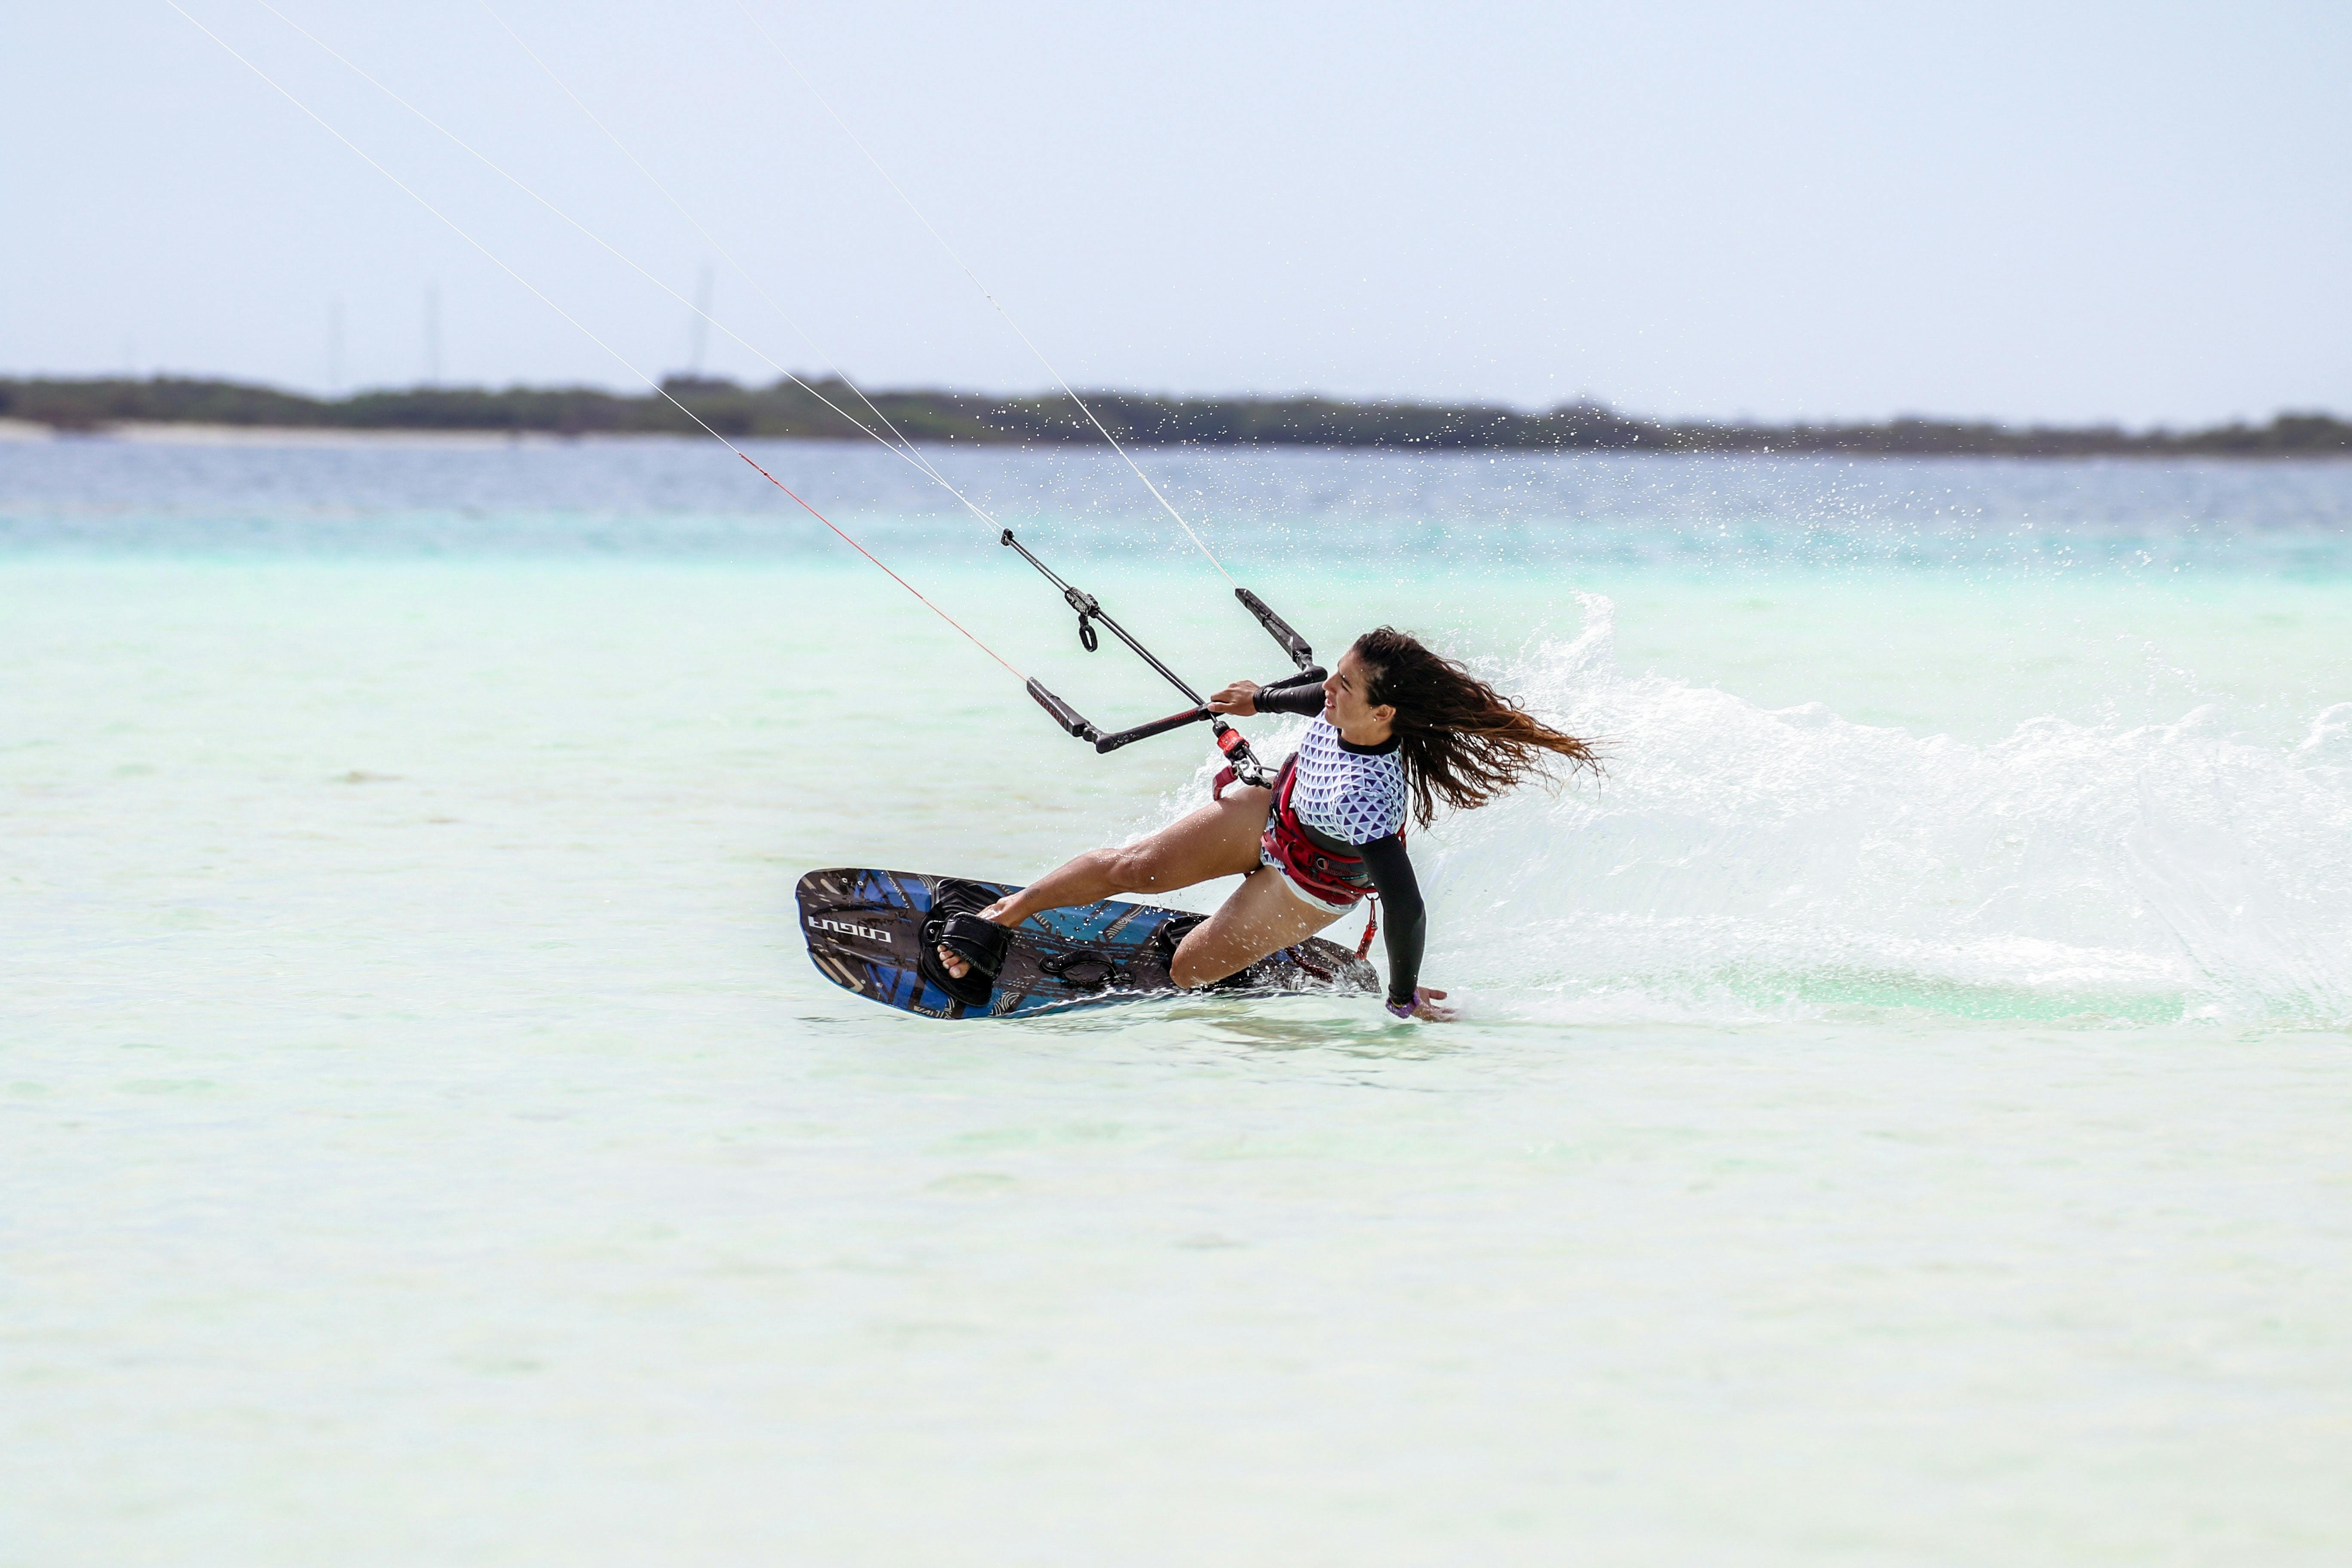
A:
x: 1395, y: 729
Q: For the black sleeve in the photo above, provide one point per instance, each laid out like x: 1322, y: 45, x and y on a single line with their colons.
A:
x: 1307, y: 699
x: 1391, y: 871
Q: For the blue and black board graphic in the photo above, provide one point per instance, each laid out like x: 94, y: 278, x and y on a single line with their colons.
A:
x: 865, y: 931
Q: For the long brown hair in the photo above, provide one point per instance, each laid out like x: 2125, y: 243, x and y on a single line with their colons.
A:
x: 1460, y: 740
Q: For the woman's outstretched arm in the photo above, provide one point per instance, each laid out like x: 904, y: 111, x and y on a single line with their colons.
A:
x: 1407, y: 922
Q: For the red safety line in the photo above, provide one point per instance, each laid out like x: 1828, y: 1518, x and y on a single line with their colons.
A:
x: 871, y: 556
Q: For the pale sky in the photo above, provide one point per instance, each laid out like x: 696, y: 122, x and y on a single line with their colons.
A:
x: 2058, y: 211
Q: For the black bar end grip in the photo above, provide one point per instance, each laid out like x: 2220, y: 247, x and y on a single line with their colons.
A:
x: 1156, y: 727
x: 1064, y: 714
x: 1279, y: 629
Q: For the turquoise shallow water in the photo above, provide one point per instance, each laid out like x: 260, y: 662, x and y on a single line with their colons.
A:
x: 1898, y: 1119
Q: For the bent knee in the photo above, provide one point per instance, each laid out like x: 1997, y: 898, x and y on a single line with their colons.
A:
x: 1189, y: 970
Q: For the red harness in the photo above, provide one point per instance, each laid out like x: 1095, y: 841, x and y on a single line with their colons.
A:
x: 1322, y: 872
x: 1307, y: 863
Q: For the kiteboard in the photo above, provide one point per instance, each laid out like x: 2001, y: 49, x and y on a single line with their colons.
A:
x: 866, y: 932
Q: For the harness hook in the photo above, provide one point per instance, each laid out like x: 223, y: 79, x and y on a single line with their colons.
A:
x: 1239, y: 760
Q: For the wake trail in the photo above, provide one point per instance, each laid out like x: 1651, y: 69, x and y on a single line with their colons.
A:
x: 1739, y: 862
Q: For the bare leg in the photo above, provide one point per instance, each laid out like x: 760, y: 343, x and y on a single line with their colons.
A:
x: 1263, y: 916
x: 1218, y: 841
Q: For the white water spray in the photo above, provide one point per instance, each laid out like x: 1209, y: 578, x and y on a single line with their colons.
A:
x: 1738, y: 862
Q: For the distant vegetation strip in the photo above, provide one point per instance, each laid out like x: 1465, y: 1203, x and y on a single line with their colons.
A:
x: 786, y: 411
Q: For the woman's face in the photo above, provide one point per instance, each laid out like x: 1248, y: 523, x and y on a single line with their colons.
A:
x: 1345, y: 703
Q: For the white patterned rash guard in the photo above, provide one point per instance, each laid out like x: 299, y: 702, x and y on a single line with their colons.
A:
x: 1355, y: 794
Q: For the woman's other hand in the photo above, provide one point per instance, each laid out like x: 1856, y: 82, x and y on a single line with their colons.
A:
x: 1240, y: 699
x: 1428, y: 1006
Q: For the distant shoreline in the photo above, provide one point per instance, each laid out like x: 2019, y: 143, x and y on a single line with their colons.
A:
x: 190, y: 433
x: 192, y: 411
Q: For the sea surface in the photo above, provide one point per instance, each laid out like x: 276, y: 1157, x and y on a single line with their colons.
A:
x: 1899, y: 1114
